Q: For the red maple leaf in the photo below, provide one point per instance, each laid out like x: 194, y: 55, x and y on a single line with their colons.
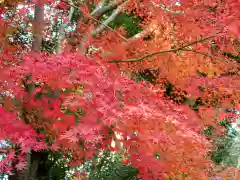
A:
x: 21, y: 165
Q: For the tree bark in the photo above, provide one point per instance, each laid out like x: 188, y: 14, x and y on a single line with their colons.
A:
x: 62, y: 29
x: 34, y: 158
x: 38, y: 26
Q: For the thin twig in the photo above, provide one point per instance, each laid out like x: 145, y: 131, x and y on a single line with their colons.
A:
x: 165, y: 51
x: 205, y: 54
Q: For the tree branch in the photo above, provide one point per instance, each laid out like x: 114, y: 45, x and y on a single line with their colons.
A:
x: 165, y: 8
x: 96, y: 20
x: 205, y: 54
x: 109, y: 19
x: 61, y: 30
x: 99, y: 6
x: 111, y: 29
x: 165, y: 51
x: 3, y: 151
x: 139, y: 35
x: 104, y: 9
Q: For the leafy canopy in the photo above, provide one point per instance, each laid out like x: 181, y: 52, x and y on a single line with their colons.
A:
x: 78, y: 96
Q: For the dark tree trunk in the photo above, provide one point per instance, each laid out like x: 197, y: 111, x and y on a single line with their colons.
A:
x: 37, y: 168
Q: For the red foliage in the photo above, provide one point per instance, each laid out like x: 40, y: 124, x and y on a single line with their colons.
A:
x: 109, y: 100
x: 162, y: 138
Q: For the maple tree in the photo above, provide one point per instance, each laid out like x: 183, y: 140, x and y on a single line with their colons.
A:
x: 78, y: 96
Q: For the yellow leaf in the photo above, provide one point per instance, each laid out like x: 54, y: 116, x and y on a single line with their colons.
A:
x: 210, y: 74
x: 11, y: 31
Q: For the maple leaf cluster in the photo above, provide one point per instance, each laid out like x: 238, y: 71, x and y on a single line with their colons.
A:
x: 77, y: 102
x: 106, y: 100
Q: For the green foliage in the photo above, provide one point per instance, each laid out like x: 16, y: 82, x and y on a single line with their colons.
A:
x: 225, y: 123
x: 208, y: 131
x: 109, y: 167
x: 129, y: 22
x: 112, y: 170
x: 176, y: 95
x: 146, y: 75
x: 76, y: 15
x: 222, y: 153
x: 197, y: 104
x: 227, y: 149
x: 201, y: 74
x: 48, y: 46
x: 56, y: 166
x: 229, y: 55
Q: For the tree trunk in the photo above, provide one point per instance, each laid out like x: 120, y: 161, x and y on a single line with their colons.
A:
x: 38, y: 26
x: 36, y: 169
x: 34, y: 158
